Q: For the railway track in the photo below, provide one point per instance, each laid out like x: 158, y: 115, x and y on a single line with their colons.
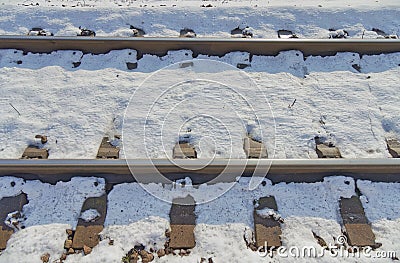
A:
x: 200, y: 171
x: 280, y: 170
x: 180, y: 236
x: 207, y: 46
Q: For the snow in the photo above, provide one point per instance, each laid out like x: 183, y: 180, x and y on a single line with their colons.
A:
x: 59, y: 198
x: 380, y: 201
x: 90, y: 215
x: 286, y: 100
x: 14, y: 220
x: 135, y: 217
x: 49, y: 203
x: 384, y: 207
x: 27, y: 245
x: 308, y: 19
x: 269, y: 213
x: 10, y: 186
x: 78, y: 106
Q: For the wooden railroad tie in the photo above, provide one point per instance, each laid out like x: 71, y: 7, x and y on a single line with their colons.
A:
x: 184, y: 150
x: 254, y: 149
x: 107, y: 150
x: 87, y: 233
x: 9, y: 205
x: 393, y: 147
x: 267, y: 228
x: 358, y: 230
x: 183, y: 222
x: 326, y: 149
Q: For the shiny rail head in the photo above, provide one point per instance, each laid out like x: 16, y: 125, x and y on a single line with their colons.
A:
x: 202, y: 39
x: 198, y: 162
x: 281, y: 170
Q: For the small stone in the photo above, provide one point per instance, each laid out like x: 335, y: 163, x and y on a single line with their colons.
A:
x: 45, y: 257
x: 111, y: 242
x: 68, y: 244
x: 161, y: 252
x: 168, y: 251
x: 71, y: 251
x: 146, y: 256
x: 63, y: 256
x: 134, y: 255
x: 70, y: 232
x: 16, y: 215
x: 253, y: 247
x: 43, y: 139
x: 148, y: 259
x: 86, y: 250
x: 139, y: 247
x: 182, y: 253
x: 203, y: 260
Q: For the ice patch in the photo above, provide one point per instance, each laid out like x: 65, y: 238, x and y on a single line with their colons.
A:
x: 90, y: 215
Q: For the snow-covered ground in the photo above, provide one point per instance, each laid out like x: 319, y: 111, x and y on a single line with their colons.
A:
x: 76, y: 106
x: 76, y: 99
x: 307, y: 19
x: 136, y: 217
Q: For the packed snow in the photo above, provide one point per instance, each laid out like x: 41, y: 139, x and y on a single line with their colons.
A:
x: 307, y: 19
x: 301, y: 98
x: 382, y: 211
x: 90, y: 215
x: 286, y: 100
x: 29, y: 244
x: 269, y: 213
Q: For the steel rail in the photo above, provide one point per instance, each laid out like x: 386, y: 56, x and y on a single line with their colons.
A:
x: 208, y: 46
x: 277, y: 170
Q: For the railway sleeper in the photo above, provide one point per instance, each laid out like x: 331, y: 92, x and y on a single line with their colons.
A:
x: 267, y: 223
x: 393, y: 147
x: 184, y: 150
x: 326, y: 149
x: 357, y: 228
x: 87, y: 232
x: 34, y: 152
x: 283, y: 33
x: 254, y: 149
x: 187, y: 32
x: 9, y: 205
x: 107, y: 150
x: 182, y: 222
